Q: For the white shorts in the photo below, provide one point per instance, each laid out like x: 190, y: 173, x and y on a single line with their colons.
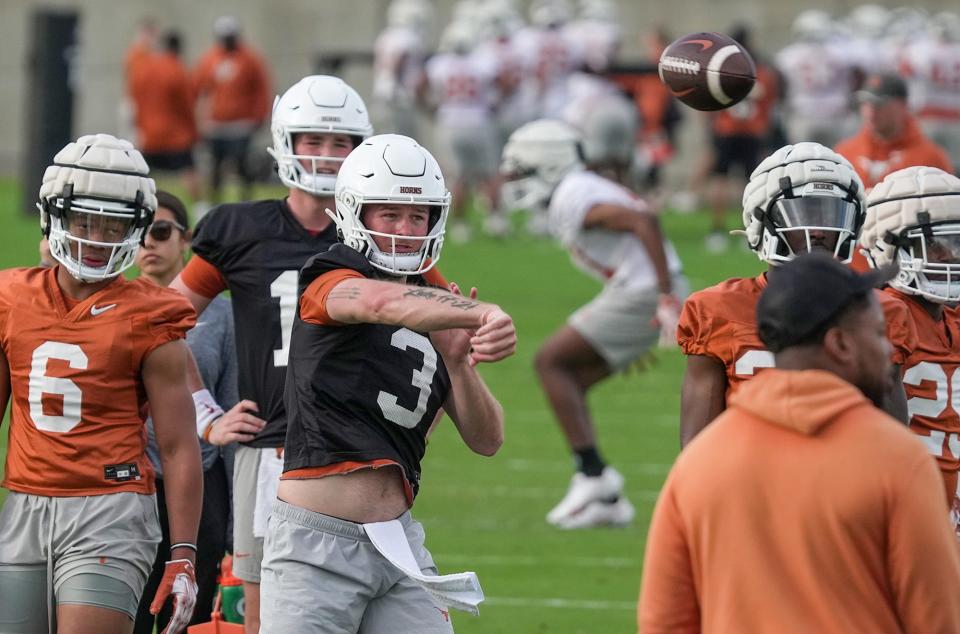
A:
x: 618, y: 323
x: 247, y: 549
x: 99, y: 549
x: 323, y: 575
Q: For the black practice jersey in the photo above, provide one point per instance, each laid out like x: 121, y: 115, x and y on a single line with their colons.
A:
x: 259, y: 248
x: 360, y: 392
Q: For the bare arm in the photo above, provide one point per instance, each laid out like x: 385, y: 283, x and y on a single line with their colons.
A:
x: 199, y: 302
x: 703, y: 396
x: 895, y: 400
x: 645, y: 226
x: 365, y: 301
x: 171, y: 406
x: 474, y: 410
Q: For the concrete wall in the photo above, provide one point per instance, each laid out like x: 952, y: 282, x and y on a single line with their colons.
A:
x: 292, y: 32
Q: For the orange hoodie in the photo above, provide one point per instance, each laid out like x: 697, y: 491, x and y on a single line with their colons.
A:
x: 802, y: 508
x: 874, y: 158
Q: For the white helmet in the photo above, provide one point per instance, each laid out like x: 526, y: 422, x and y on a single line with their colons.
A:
x: 535, y: 159
x: 459, y: 38
x: 410, y: 14
x: 813, y: 24
x: 96, y: 201
x: 550, y: 13
x: 913, y: 219
x: 318, y: 104
x: 391, y: 168
x: 599, y: 10
x: 805, y: 188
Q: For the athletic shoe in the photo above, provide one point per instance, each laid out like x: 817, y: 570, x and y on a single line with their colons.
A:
x: 716, y: 242
x: 585, y: 489
x: 598, y: 514
x: 496, y: 226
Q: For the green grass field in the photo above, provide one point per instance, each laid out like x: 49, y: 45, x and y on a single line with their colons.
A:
x: 487, y: 514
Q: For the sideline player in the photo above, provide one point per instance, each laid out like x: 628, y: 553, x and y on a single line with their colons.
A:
x: 256, y: 249
x: 83, y: 351
x: 613, y: 236
x: 377, y: 352
x: 913, y: 220
x: 801, y: 198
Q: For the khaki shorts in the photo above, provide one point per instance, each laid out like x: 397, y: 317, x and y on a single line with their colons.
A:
x: 94, y: 550
x: 323, y: 575
x: 247, y: 549
x: 617, y: 322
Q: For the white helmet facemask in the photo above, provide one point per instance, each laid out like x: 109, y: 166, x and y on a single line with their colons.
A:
x: 914, y: 220
x: 318, y: 104
x: 391, y: 169
x: 536, y: 157
x: 95, y: 206
x: 803, y: 197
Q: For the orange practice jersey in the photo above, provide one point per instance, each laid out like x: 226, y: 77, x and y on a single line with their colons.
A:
x: 721, y: 322
x: 931, y: 379
x: 75, y: 373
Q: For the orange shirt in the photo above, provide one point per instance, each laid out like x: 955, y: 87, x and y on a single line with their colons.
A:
x: 236, y: 83
x: 874, y: 158
x: 721, y: 322
x: 754, y: 115
x: 75, y: 377
x: 162, y: 94
x: 931, y: 379
x: 802, y: 508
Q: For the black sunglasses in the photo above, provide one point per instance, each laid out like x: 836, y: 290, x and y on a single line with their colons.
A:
x: 161, y: 230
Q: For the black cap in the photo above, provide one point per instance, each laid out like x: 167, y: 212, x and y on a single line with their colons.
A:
x: 882, y: 86
x: 806, y: 294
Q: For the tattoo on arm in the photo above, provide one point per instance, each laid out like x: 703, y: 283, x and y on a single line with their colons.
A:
x: 454, y: 301
x: 344, y: 292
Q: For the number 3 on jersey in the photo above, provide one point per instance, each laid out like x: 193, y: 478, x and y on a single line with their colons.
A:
x: 422, y: 379
x: 40, y: 384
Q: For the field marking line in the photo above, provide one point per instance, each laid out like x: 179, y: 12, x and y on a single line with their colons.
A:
x: 568, y: 604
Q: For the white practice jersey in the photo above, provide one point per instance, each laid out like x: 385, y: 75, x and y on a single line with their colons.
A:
x: 613, y: 257
x: 463, y: 88
x: 932, y: 69
x: 398, y: 58
x: 584, y: 91
x: 819, y: 79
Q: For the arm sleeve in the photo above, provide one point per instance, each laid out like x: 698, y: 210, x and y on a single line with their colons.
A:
x: 203, y: 278
x: 690, y: 331
x: 668, y: 597
x: 901, y: 330
x: 313, y: 302
x: 922, y: 558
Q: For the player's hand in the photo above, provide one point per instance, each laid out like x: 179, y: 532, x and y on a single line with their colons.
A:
x: 495, y: 339
x: 179, y: 581
x: 667, y: 318
x: 454, y: 343
x: 237, y: 425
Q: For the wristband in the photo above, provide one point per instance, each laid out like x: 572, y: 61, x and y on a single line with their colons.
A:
x: 192, y: 547
x: 207, y: 411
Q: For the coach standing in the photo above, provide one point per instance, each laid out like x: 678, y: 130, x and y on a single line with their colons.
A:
x: 803, y: 507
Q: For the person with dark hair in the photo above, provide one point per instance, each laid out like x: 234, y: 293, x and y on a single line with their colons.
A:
x: 212, y: 343
x: 163, y: 100
x: 804, y: 507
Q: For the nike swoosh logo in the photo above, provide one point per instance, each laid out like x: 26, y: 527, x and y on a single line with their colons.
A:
x: 704, y: 44
x: 96, y: 310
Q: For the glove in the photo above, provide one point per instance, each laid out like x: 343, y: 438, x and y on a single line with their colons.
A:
x: 180, y: 581
x: 667, y: 318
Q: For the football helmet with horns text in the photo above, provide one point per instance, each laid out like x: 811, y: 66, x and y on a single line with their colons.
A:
x: 803, y: 197
x: 913, y: 219
x: 391, y: 168
x: 317, y: 104
x: 96, y: 202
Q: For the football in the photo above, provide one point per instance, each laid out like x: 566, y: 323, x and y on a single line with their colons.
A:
x: 707, y: 71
